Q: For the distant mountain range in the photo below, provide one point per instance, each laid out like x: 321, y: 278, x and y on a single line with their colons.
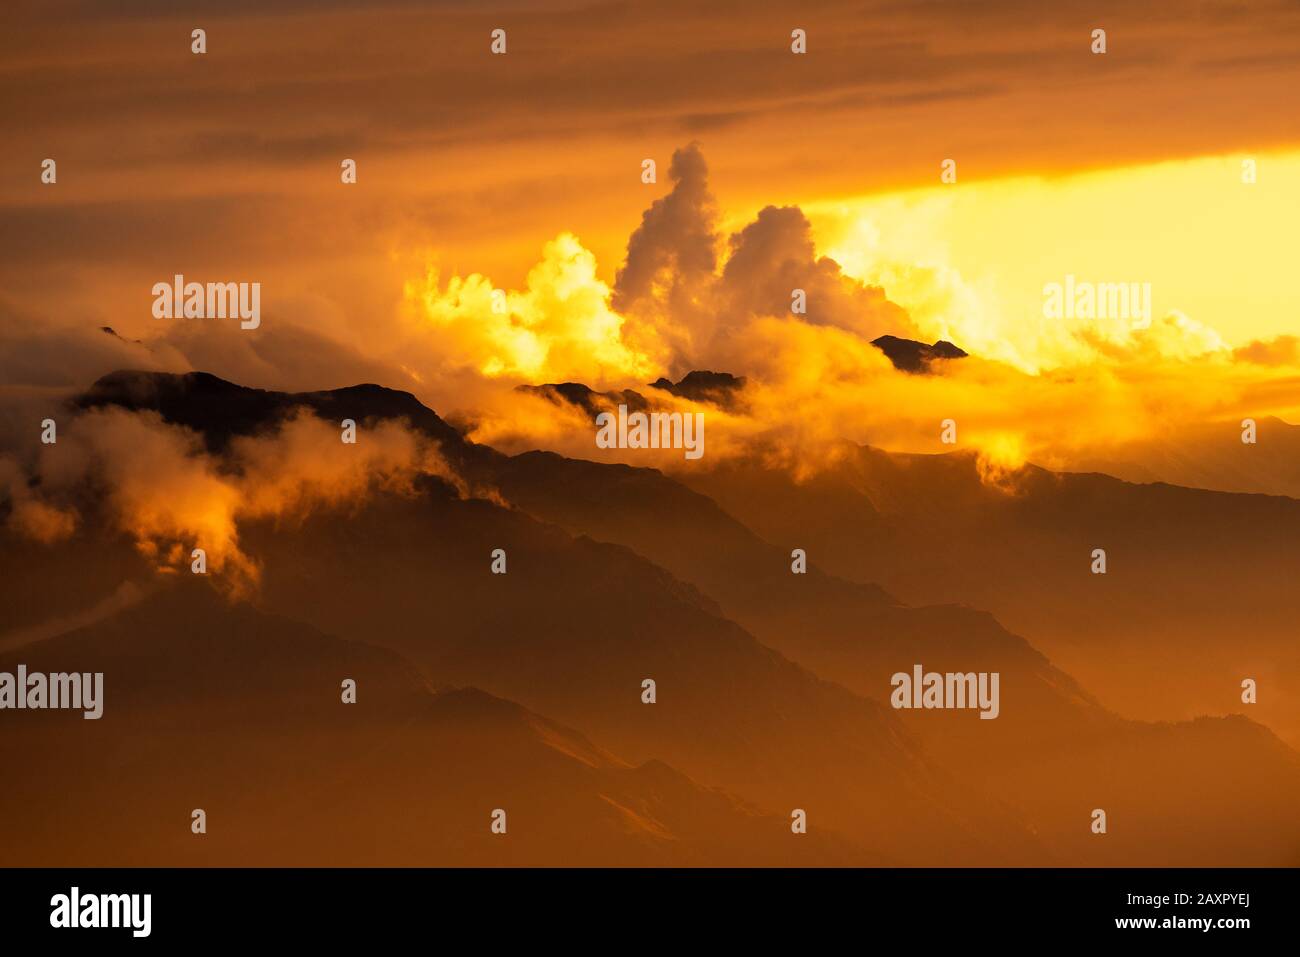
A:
x: 772, y: 687
x: 236, y: 711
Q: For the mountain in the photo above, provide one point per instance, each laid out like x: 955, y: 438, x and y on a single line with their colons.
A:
x: 219, y: 410
x: 717, y: 388
x: 909, y: 355
x: 586, y: 398
x: 1197, y: 595
x: 691, y: 597
x: 858, y: 636
x: 224, y: 707
x: 1208, y: 456
x: 575, y: 627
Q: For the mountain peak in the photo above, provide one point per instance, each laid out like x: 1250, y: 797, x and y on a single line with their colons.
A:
x: 220, y: 410
x: 909, y: 355
x: 585, y: 397
x: 702, y: 385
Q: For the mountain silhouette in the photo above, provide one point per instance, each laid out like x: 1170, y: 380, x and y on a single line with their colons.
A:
x: 238, y: 712
x: 1196, y: 591
x: 718, y: 388
x: 771, y: 685
x: 916, y: 357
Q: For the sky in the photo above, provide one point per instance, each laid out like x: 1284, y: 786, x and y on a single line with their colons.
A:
x: 927, y: 169
x: 1213, y: 248
x: 523, y: 172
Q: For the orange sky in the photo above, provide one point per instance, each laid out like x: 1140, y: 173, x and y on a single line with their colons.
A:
x: 225, y: 166
x: 486, y: 157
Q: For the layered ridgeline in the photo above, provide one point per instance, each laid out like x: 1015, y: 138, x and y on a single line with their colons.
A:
x: 771, y: 685
x: 229, y: 710
x: 1197, y: 593
x: 1196, y: 597
x: 573, y: 630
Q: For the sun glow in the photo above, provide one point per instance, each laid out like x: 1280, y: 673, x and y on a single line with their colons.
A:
x: 969, y: 261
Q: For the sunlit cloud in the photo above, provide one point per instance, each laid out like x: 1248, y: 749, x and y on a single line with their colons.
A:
x: 172, y: 496
x: 691, y: 297
x: 560, y: 325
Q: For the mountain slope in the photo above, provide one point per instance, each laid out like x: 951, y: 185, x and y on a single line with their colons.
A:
x: 1198, y: 593
x: 220, y: 706
x: 575, y: 627
x: 583, y: 625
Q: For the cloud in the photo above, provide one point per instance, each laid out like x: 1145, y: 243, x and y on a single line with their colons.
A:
x: 41, y: 353
x: 560, y: 325
x: 775, y: 254
x: 666, y: 282
x: 1171, y: 336
x: 58, y: 358
x: 686, y: 300
x: 673, y: 247
x: 1280, y: 351
x: 689, y: 296
x: 864, y: 61
x: 689, y: 314
x: 30, y: 516
x: 283, y: 355
x: 156, y: 483
x: 672, y: 309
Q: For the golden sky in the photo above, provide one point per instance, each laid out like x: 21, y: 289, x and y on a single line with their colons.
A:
x: 522, y: 172
x: 1213, y: 248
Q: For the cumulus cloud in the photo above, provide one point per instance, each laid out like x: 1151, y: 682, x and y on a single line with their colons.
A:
x: 671, y: 310
x: 560, y: 324
x: 688, y: 296
x: 775, y: 254
x: 686, y: 299
x: 685, y: 311
x: 673, y: 249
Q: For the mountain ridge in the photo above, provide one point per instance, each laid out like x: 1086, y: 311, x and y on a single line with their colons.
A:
x: 742, y: 575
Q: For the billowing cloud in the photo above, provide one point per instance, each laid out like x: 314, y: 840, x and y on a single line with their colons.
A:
x: 691, y: 295
x: 561, y: 324
x: 672, y: 250
x: 685, y: 300
x: 774, y: 257
x: 162, y: 488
